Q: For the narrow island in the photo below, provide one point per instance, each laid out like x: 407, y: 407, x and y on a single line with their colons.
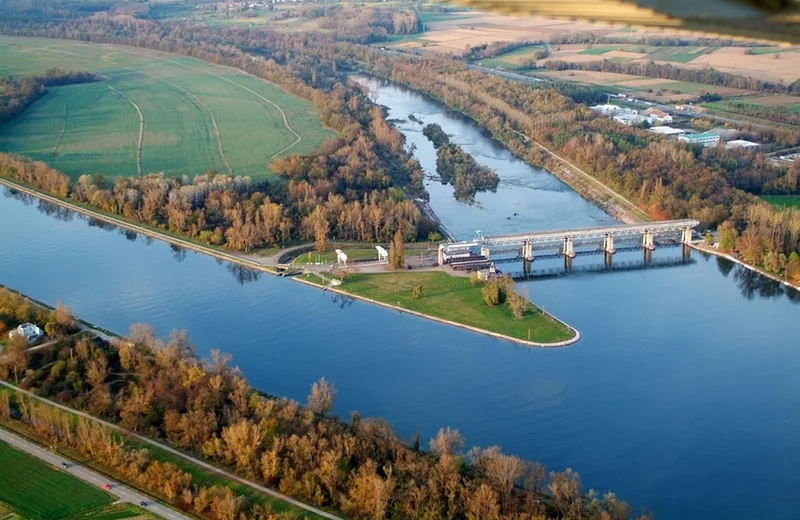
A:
x: 458, y: 168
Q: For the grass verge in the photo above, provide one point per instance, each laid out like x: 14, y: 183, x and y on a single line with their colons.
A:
x: 455, y: 299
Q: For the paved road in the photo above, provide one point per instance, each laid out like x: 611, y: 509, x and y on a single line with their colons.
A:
x: 193, y: 460
x: 92, y: 477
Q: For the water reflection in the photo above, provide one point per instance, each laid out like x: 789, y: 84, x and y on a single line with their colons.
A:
x: 242, y: 274
x: 178, y: 252
x: 752, y: 283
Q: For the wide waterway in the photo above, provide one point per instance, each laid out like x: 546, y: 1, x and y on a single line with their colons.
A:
x: 683, y: 395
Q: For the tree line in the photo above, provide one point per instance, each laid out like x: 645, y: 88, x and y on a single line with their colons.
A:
x: 238, y: 213
x: 364, y: 24
x: 786, y: 115
x: 654, y: 41
x: 361, y: 469
x: 706, y: 75
x: 18, y: 94
x: 767, y: 238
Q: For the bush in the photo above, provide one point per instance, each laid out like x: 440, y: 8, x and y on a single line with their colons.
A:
x: 416, y: 292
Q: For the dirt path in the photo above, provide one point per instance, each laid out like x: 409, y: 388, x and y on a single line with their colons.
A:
x: 259, y: 96
x: 220, y: 149
x: 141, y: 130
x: 64, y: 126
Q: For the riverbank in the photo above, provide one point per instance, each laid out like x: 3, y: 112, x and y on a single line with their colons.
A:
x: 262, y: 266
x: 587, y: 186
x: 454, y: 301
x: 699, y: 246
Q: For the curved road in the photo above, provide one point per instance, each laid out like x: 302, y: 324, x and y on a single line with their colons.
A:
x: 90, y: 476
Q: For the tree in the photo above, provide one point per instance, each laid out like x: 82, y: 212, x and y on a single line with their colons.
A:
x: 727, y: 237
x: 793, y: 268
x: 416, y: 292
x: 322, y: 396
x: 708, y: 239
x: 483, y: 504
x: 518, y: 304
x: 491, y: 294
x: 397, y: 250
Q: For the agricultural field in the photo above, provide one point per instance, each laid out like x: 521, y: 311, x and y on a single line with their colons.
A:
x: 514, y: 60
x: 783, y: 201
x: 643, y: 87
x: 35, y: 491
x: 154, y: 112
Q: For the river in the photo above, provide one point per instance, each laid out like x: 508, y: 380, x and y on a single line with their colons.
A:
x: 682, y: 397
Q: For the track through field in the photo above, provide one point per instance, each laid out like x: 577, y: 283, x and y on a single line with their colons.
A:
x: 211, y: 113
x: 259, y: 96
x: 141, y: 130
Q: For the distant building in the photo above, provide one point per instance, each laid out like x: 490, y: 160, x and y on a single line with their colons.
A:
x: 630, y: 119
x: 667, y: 130
x: 655, y: 115
x: 741, y: 143
x: 605, y: 109
x: 724, y: 133
x: 29, y: 331
x: 706, y: 138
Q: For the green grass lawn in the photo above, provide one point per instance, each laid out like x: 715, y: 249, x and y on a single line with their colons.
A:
x: 90, y: 128
x: 455, y: 299
x: 37, y: 491
x: 783, y: 201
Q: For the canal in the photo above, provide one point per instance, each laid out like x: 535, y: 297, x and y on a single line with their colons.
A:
x: 682, y: 396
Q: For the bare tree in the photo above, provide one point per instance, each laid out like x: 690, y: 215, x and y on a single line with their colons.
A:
x: 322, y: 396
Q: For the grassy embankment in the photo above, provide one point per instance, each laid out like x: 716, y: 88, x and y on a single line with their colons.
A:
x: 782, y: 201
x: 200, y: 475
x: 197, y: 115
x: 454, y: 299
x: 33, y: 490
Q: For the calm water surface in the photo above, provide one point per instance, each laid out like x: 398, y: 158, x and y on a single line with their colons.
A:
x: 682, y: 396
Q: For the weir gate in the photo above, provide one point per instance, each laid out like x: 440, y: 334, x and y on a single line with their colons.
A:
x: 569, y: 243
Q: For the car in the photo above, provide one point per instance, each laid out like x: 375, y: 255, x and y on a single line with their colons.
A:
x: 107, y: 487
x: 64, y: 465
x: 143, y: 503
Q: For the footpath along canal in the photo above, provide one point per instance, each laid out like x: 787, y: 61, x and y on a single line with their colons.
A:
x: 682, y: 393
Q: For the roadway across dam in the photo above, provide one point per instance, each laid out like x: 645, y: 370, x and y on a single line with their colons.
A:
x: 568, y: 242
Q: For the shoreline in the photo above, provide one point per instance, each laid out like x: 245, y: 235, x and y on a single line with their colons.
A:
x: 262, y: 267
x: 485, y: 332
x: 697, y: 246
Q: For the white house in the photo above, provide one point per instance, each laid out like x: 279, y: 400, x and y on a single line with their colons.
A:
x: 654, y: 115
x: 29, y: 331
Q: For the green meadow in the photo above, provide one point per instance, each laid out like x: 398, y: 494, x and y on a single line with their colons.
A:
x: 195, y: 115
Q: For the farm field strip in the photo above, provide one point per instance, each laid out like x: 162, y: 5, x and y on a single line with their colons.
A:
x: 141, y: 130
x: 259, y: 96
x: 192, y: 116
x: 210, y: 112
x: 37, y: 491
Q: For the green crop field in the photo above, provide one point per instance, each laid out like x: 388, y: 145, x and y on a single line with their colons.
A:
x: 195, y: 116
x: 37, y: 491
x: 783, y: 201
x: 514, y: 60
x: 455, y: 299
x: 596, y: 51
